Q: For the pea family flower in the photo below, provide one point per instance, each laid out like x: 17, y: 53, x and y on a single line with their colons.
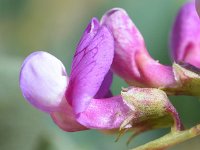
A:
x: 133, y: 63
x: 44, y: 83
x: 83, y: 101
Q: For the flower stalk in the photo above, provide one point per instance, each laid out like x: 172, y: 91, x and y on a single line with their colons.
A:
x: 171, y: 139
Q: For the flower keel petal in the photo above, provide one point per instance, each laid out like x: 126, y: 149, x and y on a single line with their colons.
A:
x: 43, y: 81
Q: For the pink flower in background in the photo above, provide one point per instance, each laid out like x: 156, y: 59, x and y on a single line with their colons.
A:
x: 44, y: 83
x: 185, y: 36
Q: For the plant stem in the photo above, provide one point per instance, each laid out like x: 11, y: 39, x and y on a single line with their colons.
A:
x: 171, y: 139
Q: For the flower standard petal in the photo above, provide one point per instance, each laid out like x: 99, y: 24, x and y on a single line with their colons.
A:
x: 91, y: 63
x: 185, y: 36
x: 123, y: 30
x: 43, y: 81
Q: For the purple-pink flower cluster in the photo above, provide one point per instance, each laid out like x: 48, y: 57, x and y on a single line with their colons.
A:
x: 83, y: 100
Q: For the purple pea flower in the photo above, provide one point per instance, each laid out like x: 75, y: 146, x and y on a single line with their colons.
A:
x: 83, y: 100
x: 133, y: 63
x: 81, y: 97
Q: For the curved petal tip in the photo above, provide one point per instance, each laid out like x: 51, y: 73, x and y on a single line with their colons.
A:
x: 43, y: 81
x: 66, y: 120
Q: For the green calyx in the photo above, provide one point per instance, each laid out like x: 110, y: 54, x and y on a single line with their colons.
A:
x: 151, y: 109
x: 187, y: 80
x: 146, y: 102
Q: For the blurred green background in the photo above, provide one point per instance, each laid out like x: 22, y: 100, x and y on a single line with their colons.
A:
x: 56, y: 26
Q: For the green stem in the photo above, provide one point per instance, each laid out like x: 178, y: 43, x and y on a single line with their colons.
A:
x: 171, y: 139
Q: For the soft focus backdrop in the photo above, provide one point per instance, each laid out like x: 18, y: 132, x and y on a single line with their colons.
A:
x: 56, y: 26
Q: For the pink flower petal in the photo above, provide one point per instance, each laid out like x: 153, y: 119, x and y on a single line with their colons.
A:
x: 128, y: 41
x: 43, y: 81
x: 154, y: 74
x: 131, y: 59
x: 91, y: 63
x: 66, y: 119
x: 105, y: 86
x: 104, y: 113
